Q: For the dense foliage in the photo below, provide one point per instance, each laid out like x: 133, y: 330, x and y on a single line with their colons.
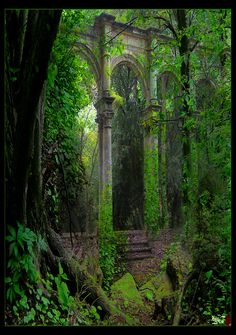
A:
x: 70, y: 130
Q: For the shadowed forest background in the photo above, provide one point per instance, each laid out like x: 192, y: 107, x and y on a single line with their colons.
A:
x: 136, y: 232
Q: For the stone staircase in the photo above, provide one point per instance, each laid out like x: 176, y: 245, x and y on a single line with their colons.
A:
x: 137, y: 247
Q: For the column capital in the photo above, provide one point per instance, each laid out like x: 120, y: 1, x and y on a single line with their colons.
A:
x: 152, y: 107
x: 99, y: 119
x: 104, y: 103
x: 107, y: 119
x: 148, y: 114
x: 104, y: 110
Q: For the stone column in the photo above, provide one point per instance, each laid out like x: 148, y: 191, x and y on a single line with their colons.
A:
x: 99, y: 121
x: 103, y: 29
x: 104, y: 119
x: 107, y: 159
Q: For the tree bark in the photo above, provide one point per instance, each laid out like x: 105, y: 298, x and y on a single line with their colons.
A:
x: 34, y: 195
x: 25, y: 51
x: 160, y: 175
x: 185, y: 75
x: 80, y: 279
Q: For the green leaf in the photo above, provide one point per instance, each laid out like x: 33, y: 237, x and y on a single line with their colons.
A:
x: 45, y: 301
x: 208, y: 274
x: 126, y: 303
x: 12, y: 232
x: 8, y: 280
x: 15, y: 249
x: 40, y: 291
x: 149, y: 296
x: 38, y: 307
x: 63, y: 294
x: 60, y: 269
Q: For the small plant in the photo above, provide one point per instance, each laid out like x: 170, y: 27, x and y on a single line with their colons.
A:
x: 22, y: 244
x: 64, y: 298
x: 149, y: 296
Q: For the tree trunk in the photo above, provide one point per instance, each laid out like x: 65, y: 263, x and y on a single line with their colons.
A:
x: 184, y: 52
x: 160, y: 175
x: 34, y: 195
x: 27, y: 34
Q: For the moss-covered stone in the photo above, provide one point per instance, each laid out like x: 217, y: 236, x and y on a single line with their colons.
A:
x: 127, y: 298
x: 125, y: 291
x: 179, y: 265
x: 158, y: 287
x: 158, y: 292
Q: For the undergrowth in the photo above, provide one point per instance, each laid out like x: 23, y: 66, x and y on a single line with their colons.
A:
x: 32, y: 300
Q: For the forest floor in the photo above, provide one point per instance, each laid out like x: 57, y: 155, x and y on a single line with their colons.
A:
x: 147, y: 272
x: 138, y: 277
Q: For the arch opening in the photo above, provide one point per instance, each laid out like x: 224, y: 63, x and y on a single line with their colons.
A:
x: 137, y: 68
x: 127, y: 149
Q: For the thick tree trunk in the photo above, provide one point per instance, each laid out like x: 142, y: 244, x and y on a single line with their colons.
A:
x: 29, y: 46
x: 34, y: 196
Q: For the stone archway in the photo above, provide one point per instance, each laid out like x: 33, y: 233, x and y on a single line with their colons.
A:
x: 135, y: 65
x: 137, y: 54
x: 93, y: 63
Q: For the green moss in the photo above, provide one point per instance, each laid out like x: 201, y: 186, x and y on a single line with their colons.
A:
x: 160, y: 286
x: 125, y: 291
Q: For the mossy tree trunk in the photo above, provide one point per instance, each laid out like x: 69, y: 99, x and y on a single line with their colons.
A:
x: 29, y: 38
x: 184, y: 51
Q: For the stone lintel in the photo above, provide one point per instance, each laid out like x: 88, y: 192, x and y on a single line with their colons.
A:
x: 153, y: 31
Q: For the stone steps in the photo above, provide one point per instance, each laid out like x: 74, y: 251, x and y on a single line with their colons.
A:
x: 138, y: 247
x: 138, y: 256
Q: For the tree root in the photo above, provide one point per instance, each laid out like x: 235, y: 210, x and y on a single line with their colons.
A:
x: 80, y: 279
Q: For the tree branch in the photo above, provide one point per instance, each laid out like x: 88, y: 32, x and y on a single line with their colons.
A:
x: 167, y: 24
x: 128, y: 24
